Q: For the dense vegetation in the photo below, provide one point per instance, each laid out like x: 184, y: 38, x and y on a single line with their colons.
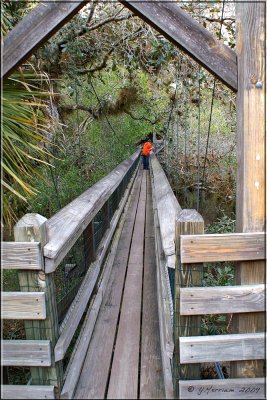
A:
x: 84, y: 101
x: 104, y: 82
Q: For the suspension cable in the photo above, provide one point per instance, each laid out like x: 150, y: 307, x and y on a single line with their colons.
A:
x: 198, y: 139
x: 212, y: 102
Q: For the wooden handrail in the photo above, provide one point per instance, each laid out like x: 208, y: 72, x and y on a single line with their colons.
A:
x: 168, y: 208
x: 65, y: 227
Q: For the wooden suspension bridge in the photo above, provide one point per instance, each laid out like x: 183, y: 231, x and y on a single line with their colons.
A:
x: 133, y: 323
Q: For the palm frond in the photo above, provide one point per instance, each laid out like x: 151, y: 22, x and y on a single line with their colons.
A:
x: 24, y: 136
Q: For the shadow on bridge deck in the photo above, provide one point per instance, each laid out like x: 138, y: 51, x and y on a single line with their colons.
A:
x: 123, y: 359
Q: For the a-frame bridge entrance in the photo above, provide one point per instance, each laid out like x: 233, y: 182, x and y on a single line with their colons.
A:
x: 41, y: 245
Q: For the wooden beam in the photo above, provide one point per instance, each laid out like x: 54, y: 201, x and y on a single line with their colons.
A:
x: 251, y: 156
x: 27, y: 392
x: 65, y: 227
x: 94, y: 377
x: 35, y: 29
x: 151, y: 376
x: 168, y: 207
x: 164, y: 312
x: 21, y: 255
x: 26, y: 353
x: 79, y: 353
x: 188, y: 222
x: 77, y: 311
x: 222, y: 299
x: 125, y: 363
x: 47, y: 18
x: 191, y: 37
x: 32, y: 228
x: 245, y: 388
x: 223, y: 247
x: 23, y: 305
x: 198, y: 349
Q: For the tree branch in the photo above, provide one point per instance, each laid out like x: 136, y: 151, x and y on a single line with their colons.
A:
x: 103, y: 64
x: 142, y: 118
x: 106, y: 21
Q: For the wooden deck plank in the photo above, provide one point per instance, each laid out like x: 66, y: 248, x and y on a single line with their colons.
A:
x: 81, y: 346
x: 124, y: 372
x: 151, y: 378
x: 94, y: 377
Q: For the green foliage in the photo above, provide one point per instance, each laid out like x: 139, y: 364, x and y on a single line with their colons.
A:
x: 24, y: 137
x: 214, y: 325
x: 223, y: 224
x: 218, y: 274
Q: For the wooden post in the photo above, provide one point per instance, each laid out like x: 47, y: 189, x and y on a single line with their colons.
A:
x: 188, y: 222
x: 251, y: 185
x: 32, y: 228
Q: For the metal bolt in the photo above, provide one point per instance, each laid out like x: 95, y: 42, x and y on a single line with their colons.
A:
x: 259, y: 85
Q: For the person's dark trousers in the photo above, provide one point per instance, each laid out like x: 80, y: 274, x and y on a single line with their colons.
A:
x: 146, y: 162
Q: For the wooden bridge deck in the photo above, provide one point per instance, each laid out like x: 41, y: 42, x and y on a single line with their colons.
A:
x: 123, y: 359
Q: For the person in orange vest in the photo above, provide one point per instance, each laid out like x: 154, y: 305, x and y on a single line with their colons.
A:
x: 146, y: 153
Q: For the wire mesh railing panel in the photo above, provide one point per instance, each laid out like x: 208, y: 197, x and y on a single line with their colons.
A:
x: 69, y: 275
x: 100, y: 224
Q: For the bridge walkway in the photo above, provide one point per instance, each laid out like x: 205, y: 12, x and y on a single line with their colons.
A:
x: 123, y: 359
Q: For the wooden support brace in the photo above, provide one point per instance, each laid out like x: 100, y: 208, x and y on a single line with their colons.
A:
x: 32, y: 228
x: 251, y: 152
x: 34, y: 29
x: 186, y: 33
x: 187, y: 222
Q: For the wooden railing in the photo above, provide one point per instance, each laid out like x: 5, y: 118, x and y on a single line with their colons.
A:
x: 165, y: 208
x: 181, y: 244
x: 41, y: 255
x: 194, y: 301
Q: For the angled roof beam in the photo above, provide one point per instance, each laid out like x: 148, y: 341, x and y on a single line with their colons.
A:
x: 176, y: 25
x: 187, y: 34
x: 35, y: 29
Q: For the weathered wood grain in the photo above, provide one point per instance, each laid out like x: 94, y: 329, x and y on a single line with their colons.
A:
x: 38, y: 26
x: 253, y: 388
x: 222, y: 247
x: 21, y: 255
x: 80, y: 350
x: 125, y: 365
x: 151, y: 374
x: 75, y: 313
x: 32, y: 228
x: 187, y: 222
x: 222, y: 299
x: 187, y: 34
x: 168, y: 207
x: 65, y: 227
x: 23, y: 305
x: 251, y: 155
x: 198, y: 349
x: 9, y: 392
x: 165, y: 322
x: 34, y: 29
x: 95, y: 373
x: 26, y: 353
